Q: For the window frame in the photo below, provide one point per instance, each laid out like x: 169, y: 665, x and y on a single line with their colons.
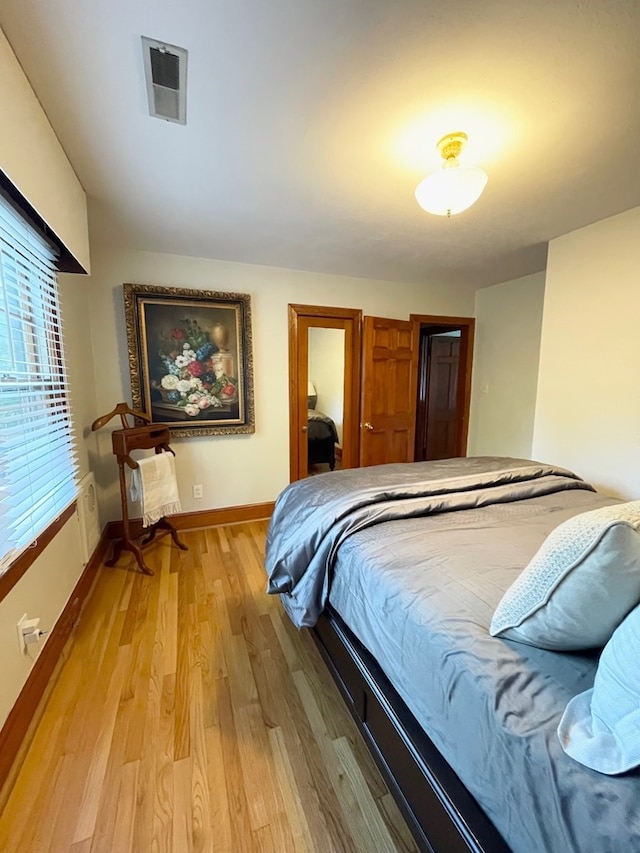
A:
x: 46, y: 332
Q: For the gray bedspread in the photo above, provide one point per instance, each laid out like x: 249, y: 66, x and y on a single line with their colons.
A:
x: 320, y: 426
x: 415, y: 559
x: 419, y: 594
x: 313, y: 517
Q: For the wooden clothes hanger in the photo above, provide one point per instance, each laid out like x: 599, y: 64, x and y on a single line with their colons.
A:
x: 123, y: 410
x: 132, y: 437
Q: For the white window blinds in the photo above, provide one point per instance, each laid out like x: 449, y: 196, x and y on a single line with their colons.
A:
x: 37, y: 454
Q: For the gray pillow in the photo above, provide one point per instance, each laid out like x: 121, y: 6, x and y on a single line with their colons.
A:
x: 579, y: 586
x: 600, y: 728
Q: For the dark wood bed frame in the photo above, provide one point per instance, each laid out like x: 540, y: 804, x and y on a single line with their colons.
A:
x: 440, y: 812
x: 321, y: 450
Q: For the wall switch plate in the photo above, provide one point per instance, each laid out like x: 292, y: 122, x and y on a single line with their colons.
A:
x: 197, y: 491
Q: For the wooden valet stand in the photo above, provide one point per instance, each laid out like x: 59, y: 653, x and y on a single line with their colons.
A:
x: 132, y: 437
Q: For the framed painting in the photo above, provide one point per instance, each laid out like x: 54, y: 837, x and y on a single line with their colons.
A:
x: 190, y: 358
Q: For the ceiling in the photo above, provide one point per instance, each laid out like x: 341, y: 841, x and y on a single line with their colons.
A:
x: 310, y: 122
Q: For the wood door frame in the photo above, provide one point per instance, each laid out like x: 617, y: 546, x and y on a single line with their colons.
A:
x: 321, y: 317
x: 467, y: 326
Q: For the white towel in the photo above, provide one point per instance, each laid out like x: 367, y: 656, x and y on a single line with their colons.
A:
x: 153, y: 483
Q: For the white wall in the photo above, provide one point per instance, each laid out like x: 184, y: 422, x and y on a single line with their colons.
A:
x: 326, y: 371
x: 33, y: 159
x: 42, y: 591
x: 31, y: 156
x: 241, y: 469
x: 588, y: 405
x: 505, y: 368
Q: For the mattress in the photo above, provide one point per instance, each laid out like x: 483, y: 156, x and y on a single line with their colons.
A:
x: 419, y: 594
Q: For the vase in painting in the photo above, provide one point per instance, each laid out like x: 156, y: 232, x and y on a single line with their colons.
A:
x: 220, y: 336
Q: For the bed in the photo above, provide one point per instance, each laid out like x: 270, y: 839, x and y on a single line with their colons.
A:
x: 397, y: 572
x: 322, y: 437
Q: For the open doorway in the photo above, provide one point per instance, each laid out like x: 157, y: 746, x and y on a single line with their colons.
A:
x: 444, y: 386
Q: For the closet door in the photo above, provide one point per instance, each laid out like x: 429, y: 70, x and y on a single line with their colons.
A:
x: 389, y: 380
x: 442, y: 397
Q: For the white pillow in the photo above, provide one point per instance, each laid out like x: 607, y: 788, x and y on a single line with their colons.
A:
x: 579, y: 586
x: 600, y: 728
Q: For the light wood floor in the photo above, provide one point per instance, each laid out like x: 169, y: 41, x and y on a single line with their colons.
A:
x: 191, y: 716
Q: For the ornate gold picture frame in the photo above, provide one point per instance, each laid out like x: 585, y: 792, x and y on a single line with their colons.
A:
x: 190, y: 358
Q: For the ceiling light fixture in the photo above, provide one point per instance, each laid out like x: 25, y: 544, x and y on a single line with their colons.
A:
x: 453, y: 188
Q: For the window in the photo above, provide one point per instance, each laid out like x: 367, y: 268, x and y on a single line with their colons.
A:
x: 37, y: 454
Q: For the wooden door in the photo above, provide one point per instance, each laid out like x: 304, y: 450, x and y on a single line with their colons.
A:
x: 442, y: 398
x: 387, y: 412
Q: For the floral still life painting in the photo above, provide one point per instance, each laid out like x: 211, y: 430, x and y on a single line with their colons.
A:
x: 190, y: 358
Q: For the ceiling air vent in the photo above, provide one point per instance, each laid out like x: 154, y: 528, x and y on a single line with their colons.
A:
x: 165, y: 70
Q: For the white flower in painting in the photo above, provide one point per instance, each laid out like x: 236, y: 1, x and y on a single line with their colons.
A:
x: 184, y: 386
x: 196, y: 383
x: 190, y: 355
x: 169, y: 382
x: 185, y: 346
x: 182, y: 361
x: 191, y: 410
x: 204, y: 402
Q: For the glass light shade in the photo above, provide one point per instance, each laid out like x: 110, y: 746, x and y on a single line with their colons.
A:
x: 451, y: 190
x: 311, y: 388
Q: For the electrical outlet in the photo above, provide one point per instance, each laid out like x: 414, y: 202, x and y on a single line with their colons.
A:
x: 26, y: 626
x: 21, y: 622
x: 197, y: 491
